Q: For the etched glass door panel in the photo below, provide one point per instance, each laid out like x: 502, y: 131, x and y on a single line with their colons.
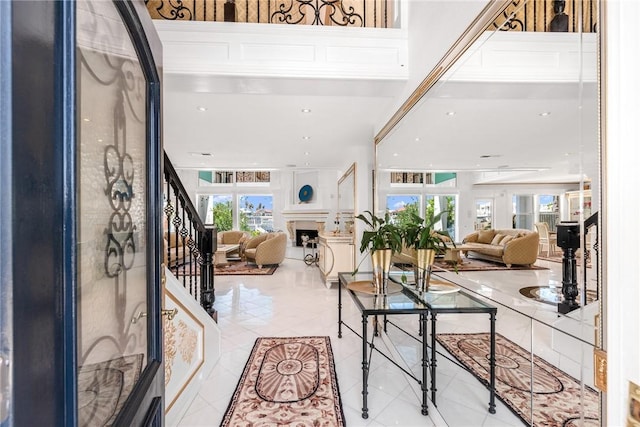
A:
x: 112, y: 214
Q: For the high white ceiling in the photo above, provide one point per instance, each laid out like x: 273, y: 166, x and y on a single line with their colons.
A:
x: 498, y: 94
x: 260, y: 123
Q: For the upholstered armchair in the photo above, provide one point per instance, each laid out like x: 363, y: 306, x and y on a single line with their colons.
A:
x: 234, y: 237
x: 266, y: 249
x: 175, y: 248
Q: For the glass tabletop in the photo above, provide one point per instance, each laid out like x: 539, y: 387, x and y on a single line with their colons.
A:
x: 410, y: 300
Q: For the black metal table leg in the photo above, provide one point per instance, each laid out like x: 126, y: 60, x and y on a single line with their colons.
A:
x: 433, y: 358
x: 365, y: 368
x: 425, y: 365
x: 492, y: 366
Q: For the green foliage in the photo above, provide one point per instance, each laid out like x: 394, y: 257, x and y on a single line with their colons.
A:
x: 223, y: 216
x: 430, y: 209
x: 243, y: 222
x: 382, y: 233
x: 405, y: 216
x: 420, y: 233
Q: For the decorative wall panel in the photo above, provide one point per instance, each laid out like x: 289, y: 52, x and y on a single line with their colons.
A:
x: 184, y: 348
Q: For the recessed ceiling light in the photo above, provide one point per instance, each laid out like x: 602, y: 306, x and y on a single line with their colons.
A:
x: 545, y: 114
x: 99, y: 139
x: 417, y: 139
x: 201, y: 108
x: 306, y: 153
x: 450, y: 113
x: 306, y: 164
x: 395, y: 154
x: 306, y: 137
x: 86, y: 120
x: 306, y: 110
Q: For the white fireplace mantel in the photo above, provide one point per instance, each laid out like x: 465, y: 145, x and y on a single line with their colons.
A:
x: 305, y: 215
x: 304, y: 219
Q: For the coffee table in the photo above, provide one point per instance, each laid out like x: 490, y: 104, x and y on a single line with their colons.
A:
x: 222, y: 252
x: 452, y: 254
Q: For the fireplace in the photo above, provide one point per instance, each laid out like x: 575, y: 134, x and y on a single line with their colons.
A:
x: 313, y: 234
x: 310, y: 223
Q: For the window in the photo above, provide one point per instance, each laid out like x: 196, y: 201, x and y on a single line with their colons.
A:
x: 219, y: 211
x: 255, y: 212
x: 440, y: 203
x: 399, y: 207
x: 548, y: 210
x: 522, y: 211
x: 484, y: 214
x: 407, y: 177
x: 441, y: 179
x: 253, y: 177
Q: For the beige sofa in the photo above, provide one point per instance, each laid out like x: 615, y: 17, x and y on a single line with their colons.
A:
x: 266, y: 249
x: 509, y: 246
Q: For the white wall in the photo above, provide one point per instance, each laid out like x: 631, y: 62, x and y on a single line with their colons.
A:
x: 433, y: 26
x: 621, y: 218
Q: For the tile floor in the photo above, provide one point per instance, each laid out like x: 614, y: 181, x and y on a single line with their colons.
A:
x: 295, y: 302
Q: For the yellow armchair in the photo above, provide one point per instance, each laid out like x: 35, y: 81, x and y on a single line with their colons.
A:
x: 266, y: 249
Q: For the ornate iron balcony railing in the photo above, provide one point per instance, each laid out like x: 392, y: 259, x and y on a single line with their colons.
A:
x: 343, y: 13
x: 549, y: 15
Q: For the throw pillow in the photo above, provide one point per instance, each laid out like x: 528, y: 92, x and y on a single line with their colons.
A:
x: 506, y: 240
x: 497, y: 239
x: 486, y: 236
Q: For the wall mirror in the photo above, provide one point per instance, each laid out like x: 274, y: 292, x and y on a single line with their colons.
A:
x: 515, y: 120
x: 347, y: 199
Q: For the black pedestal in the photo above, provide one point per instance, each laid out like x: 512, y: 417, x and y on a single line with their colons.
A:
x: 568, y: 238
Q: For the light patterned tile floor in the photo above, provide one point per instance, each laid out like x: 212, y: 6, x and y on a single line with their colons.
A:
x: 295, y: 302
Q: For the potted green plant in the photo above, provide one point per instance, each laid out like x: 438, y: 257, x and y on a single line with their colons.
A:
x: 382, y: 239
x: 421, y: 235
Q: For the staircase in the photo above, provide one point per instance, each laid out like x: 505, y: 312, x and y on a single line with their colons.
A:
x: 190, y: 331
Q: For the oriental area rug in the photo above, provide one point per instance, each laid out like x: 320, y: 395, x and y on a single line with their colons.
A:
x: 233, y: 268
x: 287, y: 382
x: 557, y: 397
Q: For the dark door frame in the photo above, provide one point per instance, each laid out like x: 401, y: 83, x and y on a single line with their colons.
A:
x: 42, y: 188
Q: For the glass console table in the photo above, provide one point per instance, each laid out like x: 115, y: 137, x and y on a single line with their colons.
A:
x: 404, y: 299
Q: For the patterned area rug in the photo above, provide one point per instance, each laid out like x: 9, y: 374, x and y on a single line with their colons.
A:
x: 287, y: 382
x: 556, y: 395
x: 552, y: 295
x: 234, y: 268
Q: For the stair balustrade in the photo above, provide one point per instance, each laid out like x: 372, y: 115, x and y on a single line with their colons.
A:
x: 189, y: 243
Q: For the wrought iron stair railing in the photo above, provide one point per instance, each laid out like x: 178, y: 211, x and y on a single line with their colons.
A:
x: 189, y: 243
